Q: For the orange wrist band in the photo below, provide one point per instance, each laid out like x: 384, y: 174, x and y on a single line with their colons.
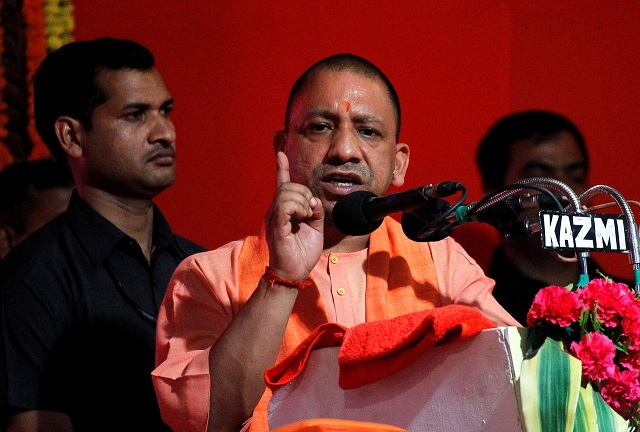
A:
x: 273, y: 278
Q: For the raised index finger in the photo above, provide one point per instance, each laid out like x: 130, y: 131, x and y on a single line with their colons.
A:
x: 282, y: 169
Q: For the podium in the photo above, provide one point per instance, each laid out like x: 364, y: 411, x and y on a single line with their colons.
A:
x: 468, y: 385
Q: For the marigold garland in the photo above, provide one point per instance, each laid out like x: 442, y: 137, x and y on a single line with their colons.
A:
x: 36, y: 51
x: 59, y: 23
x: 5, y: 155
x: 48, y: 25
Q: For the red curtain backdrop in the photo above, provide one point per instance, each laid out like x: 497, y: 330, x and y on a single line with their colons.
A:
x: 457, y: 66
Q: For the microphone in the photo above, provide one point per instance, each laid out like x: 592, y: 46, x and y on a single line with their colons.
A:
x: 507, y: 211
x: 362, y: 212
x: 503, y: 215
x: 524, y: 228
x: 417, y: 226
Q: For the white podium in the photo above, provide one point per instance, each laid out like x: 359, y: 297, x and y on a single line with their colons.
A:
x: 466, y: 386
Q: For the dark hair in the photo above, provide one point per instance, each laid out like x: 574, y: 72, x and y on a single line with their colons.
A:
x: 17, y: 179
x: 354, y: 64
x: 66, y: 83
x: 493, y: 154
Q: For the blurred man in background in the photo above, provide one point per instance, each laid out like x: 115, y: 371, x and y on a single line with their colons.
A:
x: 31, y: 194
x: 522, y: 145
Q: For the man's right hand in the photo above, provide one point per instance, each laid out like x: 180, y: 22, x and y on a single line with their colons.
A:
x: 294, y: 226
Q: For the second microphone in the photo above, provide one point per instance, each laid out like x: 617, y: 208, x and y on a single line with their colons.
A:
x: 362, y: 212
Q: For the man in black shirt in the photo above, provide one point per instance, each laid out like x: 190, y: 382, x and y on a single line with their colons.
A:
x: 523, y: 145
x: 80, y: 297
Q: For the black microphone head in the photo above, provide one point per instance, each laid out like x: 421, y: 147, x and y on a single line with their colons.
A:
x: 348, y: 214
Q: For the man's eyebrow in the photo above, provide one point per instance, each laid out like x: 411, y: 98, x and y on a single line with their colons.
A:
x: 321, y: 112
x: 143, y: 106
x: 357, y: 118
x: 538, y: 165
x: 577, y: 165
x: 545, y: 166
x: 368, y: 118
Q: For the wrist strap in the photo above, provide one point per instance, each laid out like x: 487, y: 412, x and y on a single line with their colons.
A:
x: 273, y: 278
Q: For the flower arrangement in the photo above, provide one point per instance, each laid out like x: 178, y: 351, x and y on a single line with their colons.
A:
x: 599, y: 324
x: 48, y: 24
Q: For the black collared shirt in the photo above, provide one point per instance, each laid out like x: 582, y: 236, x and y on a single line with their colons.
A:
x: 79, y: 303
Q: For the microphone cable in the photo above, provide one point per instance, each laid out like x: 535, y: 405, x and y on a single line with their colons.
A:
x: 432, y: 229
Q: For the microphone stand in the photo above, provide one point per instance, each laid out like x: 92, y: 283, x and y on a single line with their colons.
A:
x: 557, y: 186
x: 634, y: 250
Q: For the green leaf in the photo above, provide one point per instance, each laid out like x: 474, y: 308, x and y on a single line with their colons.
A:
x: 585, y: 414
x: 553, y: 399
x: 549, y: 385
x: 594, y: 415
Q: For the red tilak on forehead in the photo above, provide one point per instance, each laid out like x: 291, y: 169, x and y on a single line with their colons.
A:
x: 346, y: 105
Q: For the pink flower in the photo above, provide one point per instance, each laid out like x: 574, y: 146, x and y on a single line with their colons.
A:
x: 622, y: 392
x: 631, y: 325
x: 555, y: 304
x: 608, y: 299
x: 631, y: 360
x: 608, y: 314
x: 596, y: 353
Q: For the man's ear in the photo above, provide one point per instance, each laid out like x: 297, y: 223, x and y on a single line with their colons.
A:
x: 279, y: 141
x: 69, y: 132
x: 401, y: 165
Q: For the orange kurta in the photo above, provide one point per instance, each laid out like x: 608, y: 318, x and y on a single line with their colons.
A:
x: 208, y: 290
x: 411, y: 286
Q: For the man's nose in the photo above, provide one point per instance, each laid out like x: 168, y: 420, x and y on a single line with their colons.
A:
x: 163, y: 130
x: 345, y: 145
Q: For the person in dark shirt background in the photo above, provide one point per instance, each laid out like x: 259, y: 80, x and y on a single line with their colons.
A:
x: 522, y: 145
x: 80, y: 297
x: 31, y: 194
